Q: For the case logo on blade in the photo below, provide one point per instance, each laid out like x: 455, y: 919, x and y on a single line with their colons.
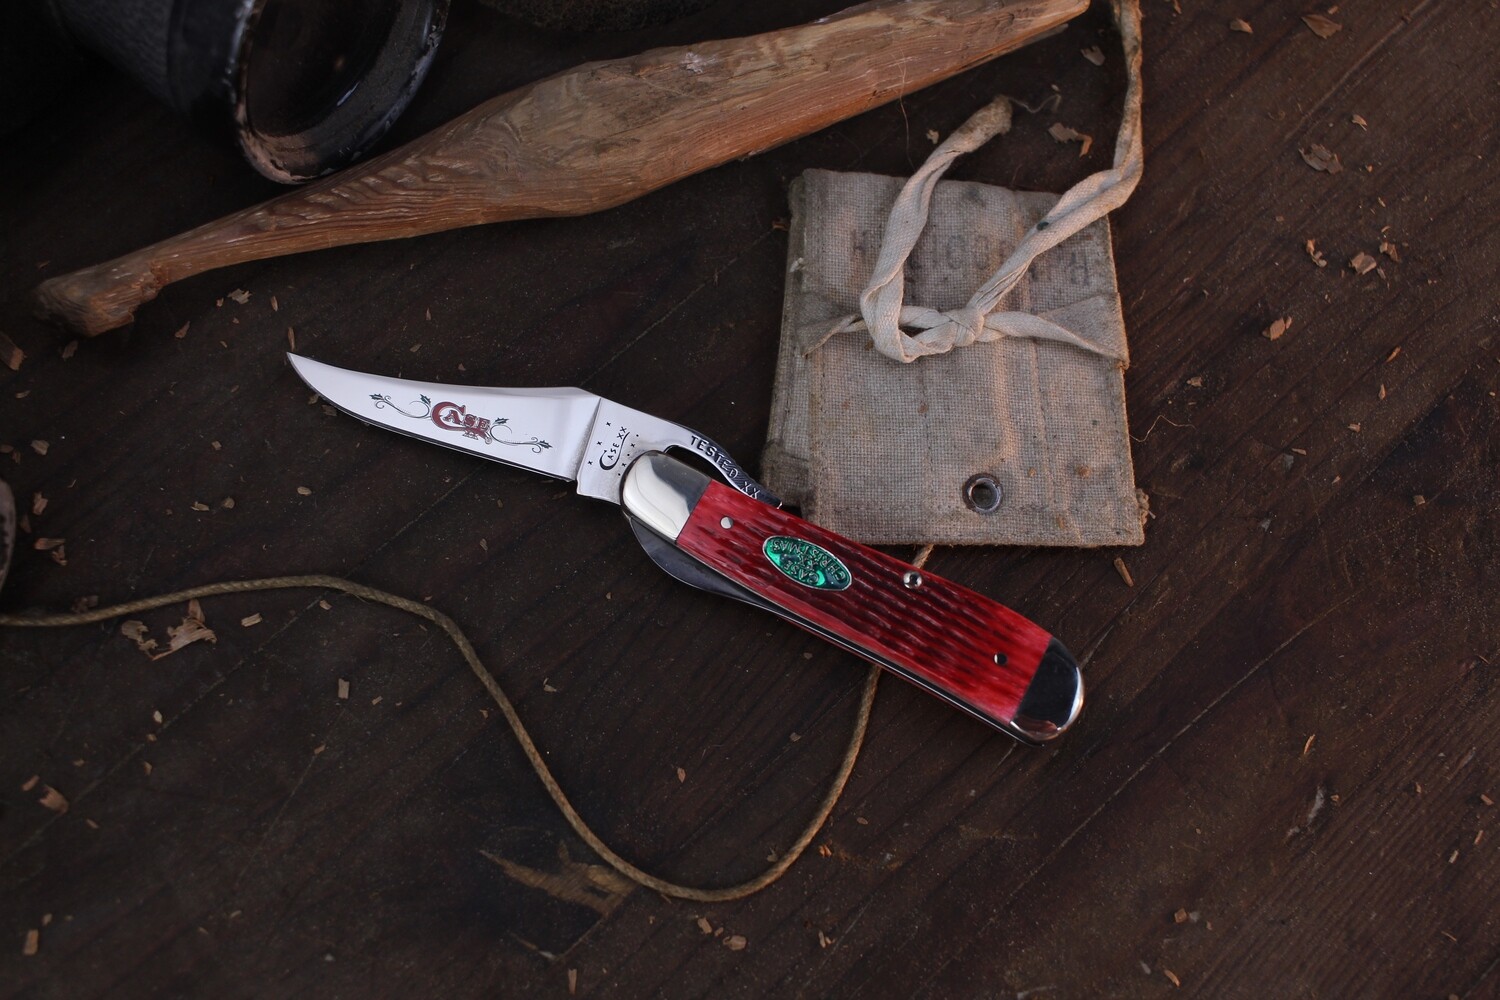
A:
x: 808, y: 564
x: 611, y: 456
x: 456, y: 417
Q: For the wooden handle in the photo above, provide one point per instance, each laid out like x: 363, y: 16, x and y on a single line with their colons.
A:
x: 585, y: 140
x: 961, y: 646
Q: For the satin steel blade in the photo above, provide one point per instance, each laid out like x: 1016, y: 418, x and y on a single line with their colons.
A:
x: 543, y: 430
x: 564, y: 433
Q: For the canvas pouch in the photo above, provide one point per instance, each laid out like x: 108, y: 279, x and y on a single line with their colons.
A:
x: 994, y: 411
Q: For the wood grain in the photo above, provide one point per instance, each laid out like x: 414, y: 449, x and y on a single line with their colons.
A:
x: 1291, y: 586
x: 586, y: 140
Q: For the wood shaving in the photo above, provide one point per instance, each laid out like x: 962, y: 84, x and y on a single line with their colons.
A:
x: 69, y: 349
x: 40, y: 447
x: 137, y: 633
x: 1196, y: 381
x: 932, y: 137
x: 10, y: 354
x: 735, y: 942
x: 1278, y: 328
x: 1316, y: 254
x: 1354, y: 428
x: 1362, y: 263
x: 291, y: 339
x: 146, y: 767
x: 1307, y: 747
x: 275, y: 306
x: 681, y: 775
x: 343, y: 690
x: 239, y: 296
x: 190, y: 630
x: 1418, y: 500
x: 1360, y: 121
x: 33, y: 942
x: 1394, y: 352
x: 53, y: 799
x: 1322, y: 158
x: 1321, y: 26
x: 156, y: 717
x: 38, y: 504
x: 1093, y: 54
x: 1241, y: 25
x: 249, y: 620
x: 1389, y: 249
x: 304, y: 491
x: 1124, y: 571
x: 1382, y: 390
x: 31, y: 782
x: 1171, y: 977
x: 227, y: 503
x: 182, y: 330
x: 325, y: 605
x: 824, y: 940
x: 199, y: 505
x: 1180, y: 917
x: 705, y: 926
x: 1063, y: 133
x: 572, y: 982
x: 1486, y: 799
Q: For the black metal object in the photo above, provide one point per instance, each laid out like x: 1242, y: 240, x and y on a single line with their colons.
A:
x: 304, y: 86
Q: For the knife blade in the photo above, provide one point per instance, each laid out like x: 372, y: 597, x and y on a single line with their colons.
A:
x: 736, y: 541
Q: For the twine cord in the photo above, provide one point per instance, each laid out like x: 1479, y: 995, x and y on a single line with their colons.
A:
x: 528, y: 746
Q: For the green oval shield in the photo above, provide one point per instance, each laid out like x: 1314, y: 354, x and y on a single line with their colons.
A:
x: 808, y: 564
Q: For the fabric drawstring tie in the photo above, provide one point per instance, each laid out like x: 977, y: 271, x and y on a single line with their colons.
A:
x: 882, y: 311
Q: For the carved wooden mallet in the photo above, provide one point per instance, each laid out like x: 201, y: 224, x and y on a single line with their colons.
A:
x: 585, y: 140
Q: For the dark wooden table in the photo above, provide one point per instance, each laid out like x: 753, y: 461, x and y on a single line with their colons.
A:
x: 1282, y: 785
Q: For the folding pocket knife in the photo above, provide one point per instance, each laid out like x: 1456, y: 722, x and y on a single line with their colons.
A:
x: 735, y: 540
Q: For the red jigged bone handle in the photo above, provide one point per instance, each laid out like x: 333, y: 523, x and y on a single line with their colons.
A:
x: 969, y: 650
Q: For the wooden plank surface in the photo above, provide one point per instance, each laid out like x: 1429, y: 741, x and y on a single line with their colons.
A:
x: 1283, y: 782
